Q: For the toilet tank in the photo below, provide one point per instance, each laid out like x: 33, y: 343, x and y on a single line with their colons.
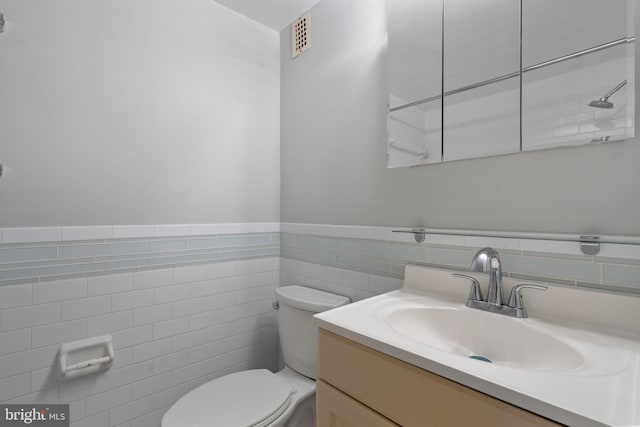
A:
x: 297, y: 330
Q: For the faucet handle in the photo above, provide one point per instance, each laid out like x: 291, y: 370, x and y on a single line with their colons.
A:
x: 475, y: 293
x: 515, y: 298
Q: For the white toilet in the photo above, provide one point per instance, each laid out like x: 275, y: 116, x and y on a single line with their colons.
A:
x: 260, y: 398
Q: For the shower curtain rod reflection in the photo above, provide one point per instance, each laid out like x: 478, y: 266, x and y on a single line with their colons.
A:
x: 517, y: 73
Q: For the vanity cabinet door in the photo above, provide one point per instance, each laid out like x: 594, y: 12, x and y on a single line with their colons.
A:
x: 406, y: 394
x: 336, y: 409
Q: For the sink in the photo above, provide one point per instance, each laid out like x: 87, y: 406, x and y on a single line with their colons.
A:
x: 483, y: 336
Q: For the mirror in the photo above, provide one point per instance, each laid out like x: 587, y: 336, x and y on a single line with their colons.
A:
x: 481, y: 78
x: 572, y: 57
x: 415, y: 65
x: 477, y: 78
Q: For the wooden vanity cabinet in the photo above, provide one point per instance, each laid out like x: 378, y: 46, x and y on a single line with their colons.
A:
x: 361, y: 387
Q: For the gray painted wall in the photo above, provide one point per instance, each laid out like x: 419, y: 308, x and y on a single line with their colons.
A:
x: 333, y: 130
x: 155, y: 113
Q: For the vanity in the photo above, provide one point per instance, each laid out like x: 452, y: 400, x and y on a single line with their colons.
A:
x: 420, y: 357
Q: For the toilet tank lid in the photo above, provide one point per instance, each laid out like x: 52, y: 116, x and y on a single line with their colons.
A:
x: 309, y: 299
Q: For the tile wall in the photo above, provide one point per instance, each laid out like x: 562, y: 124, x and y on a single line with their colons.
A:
x: 379, y: 251
x: 182, y: 307
x: 188, y: 303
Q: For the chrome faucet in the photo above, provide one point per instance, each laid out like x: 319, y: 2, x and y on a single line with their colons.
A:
x: 487, y: 260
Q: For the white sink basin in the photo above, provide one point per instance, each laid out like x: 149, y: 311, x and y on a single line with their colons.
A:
x: 473, y: 333
x: 576, y: 360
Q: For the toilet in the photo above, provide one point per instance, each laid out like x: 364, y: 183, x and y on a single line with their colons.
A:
x: 258, y: 397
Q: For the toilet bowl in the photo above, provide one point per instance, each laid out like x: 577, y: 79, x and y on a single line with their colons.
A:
x: 260, y: 398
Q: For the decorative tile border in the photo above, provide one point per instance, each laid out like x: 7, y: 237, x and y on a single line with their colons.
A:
x: 377, y: 250
x: 29, y: 255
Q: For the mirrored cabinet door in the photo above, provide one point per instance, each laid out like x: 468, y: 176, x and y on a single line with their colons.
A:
x: 477, y: 78
x: 481, y: 78
x: 578, y: 72
x: 415, y: 82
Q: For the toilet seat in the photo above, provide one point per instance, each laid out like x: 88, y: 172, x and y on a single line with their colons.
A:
x: 252, y: 398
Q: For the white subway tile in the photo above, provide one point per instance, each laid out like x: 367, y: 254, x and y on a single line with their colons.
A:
x: 87, y: 233
x: 189, y: 274
x: 84, y: 307
x: 188, y: 373
x: 152, y: 314
x: 219, y: 363
x: 234, y: 228
x: 171, y: 327
x: 130, y: 411
x: 14, y: 386
x: 494, y: 242
x: 168, y: 397
x: 204, y: 229
x: 152, y: 349
x: 122, y: 357
x: 58, y: 333
x: 132, y: 231
x: 188, y: 307
x: 152, y: 384
x: 254, y: 294
x: 15, y: 341
x: 26, y: 317
x: 170, y: 293
x: 31, y: 235
x: 85, y: 386
x: 172, y: 230
x: 204, y: 320
x: 59, y: 290
x: 130, y: 300
x: 188, y: 340
x: 228, y: 284
x: 107, y: 323
x: 169, y: 363
x: 249, y: 266
x: 218, y: 301
x: 109, y: 399
x: 153, y: 278
x: 221, y: 269
x: 206, y: 287
x: 131, y: 374
x: 220, y: 330
x: 110, y: 284
x: 50, y: 395
x: 262, y: 279
x: 206, y: 351
x: 15, y: 295
x: 45, y: 378
x: 133, y: 336
x: 17, y: 363
x: 152, y: 419
x: 271, y: 264
x: 261, y: 227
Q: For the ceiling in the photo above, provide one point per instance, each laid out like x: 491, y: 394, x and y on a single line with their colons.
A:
x: 275, y: 14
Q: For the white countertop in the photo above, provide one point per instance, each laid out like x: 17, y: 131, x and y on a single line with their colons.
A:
x: 603, y: 391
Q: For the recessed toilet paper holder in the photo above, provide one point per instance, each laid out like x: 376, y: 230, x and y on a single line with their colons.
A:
x: 84, y: 357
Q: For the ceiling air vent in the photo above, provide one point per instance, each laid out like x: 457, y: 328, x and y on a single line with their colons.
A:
x: 300, y: 32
